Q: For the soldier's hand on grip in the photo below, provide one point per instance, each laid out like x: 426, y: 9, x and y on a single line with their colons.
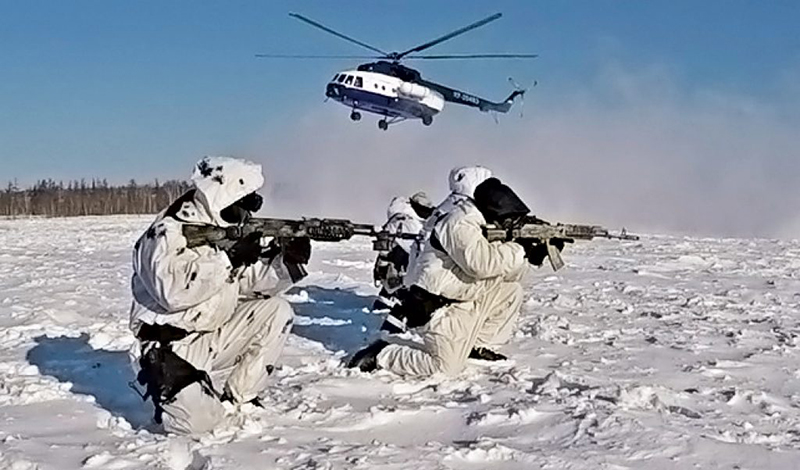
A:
x: 246, y: 250
x: 296, y: 250
x: 559, y: 242
x: 535, y: 252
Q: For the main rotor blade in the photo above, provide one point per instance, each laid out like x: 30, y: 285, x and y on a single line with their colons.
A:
x: 455, y: 33
x: 473, y: 56
x: 337, y: 34
x: 306, y: 56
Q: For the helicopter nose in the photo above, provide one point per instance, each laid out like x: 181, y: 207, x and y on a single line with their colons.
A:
x: 332, y: 90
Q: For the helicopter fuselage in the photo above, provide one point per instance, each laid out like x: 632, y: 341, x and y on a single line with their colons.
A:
x: 389, y: 89
x: 385, y: 95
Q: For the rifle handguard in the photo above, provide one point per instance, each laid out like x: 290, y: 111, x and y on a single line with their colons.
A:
x: 329, y: 233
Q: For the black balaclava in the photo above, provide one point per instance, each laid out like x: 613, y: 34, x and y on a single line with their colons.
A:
x: 498, y: 203
x: 422, y: 211
x: 239, y: 212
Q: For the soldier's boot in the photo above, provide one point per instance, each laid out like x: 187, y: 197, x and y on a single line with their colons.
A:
x: 366, y: 359
x: 486, y: 354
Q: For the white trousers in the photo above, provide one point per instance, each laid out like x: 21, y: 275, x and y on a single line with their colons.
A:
x: 238, y: 357
x: 454, y: 330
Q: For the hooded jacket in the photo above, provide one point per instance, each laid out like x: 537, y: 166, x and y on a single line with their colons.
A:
x: 462, y: 181
x: 401, y: 217
x: 197, y: 289
x: 391, y: 266
x: 458, y: 262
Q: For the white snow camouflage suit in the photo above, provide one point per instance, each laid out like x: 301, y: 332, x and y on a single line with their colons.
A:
x: 462, y: 181
x: 401, y: 218
x: 236, y: 327
x: 483, y: 280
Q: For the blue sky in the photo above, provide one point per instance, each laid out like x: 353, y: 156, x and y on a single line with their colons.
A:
x: 112, y: 89
x: 142, y: 89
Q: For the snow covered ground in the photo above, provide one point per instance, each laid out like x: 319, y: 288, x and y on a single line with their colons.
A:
x: 661, y: 354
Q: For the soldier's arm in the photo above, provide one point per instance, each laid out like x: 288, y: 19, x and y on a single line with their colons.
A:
x: 178, y: 277
x: 464, y: 242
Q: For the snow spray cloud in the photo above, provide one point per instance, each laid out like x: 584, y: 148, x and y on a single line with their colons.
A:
x: 631, y: 149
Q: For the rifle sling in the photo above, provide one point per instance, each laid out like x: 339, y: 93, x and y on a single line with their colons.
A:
x: 163, y: 373
x: 436, y: 244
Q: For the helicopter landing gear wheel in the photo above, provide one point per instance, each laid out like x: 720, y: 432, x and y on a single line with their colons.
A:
x: 427, y: 120
x: 355, y: 116
x: 383, y: 124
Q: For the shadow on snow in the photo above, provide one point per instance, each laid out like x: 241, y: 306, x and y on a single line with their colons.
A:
x: 339, y: 319
x: 96, y: 372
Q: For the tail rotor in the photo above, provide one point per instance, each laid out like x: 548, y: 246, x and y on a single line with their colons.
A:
x: 520, y: 91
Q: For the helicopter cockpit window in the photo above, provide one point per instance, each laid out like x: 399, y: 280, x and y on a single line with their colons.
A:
x: 341, y: 78
x: 359, y: 82
x: 335, y: 77
x: 349, y: 80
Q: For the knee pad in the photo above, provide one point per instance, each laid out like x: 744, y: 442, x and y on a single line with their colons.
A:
x: 192, y: 412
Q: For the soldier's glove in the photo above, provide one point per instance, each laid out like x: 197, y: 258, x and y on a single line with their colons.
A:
x: 535, y: 252
x: 380, y: 271
x: 296, y: 250
x: 398, y: 257
x: 272, y: 250
x: 559, y: 242
x: 246, y: 250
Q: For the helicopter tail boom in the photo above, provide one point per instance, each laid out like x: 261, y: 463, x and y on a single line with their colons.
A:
x: 506, y: 105
x: 459, y: 97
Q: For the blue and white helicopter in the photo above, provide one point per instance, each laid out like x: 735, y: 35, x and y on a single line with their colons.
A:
x: 396, y: 92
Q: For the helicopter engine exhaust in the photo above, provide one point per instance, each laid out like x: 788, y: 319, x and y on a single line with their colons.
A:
x: 412, y: 90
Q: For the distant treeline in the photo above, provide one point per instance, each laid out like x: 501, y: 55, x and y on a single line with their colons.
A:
x: 95, y: 197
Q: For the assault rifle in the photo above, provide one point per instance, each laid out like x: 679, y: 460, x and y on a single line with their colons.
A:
x: 323, y: 230
x: 533, y: 228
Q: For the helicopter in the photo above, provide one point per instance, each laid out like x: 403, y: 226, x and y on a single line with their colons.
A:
x: 397, y: 93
